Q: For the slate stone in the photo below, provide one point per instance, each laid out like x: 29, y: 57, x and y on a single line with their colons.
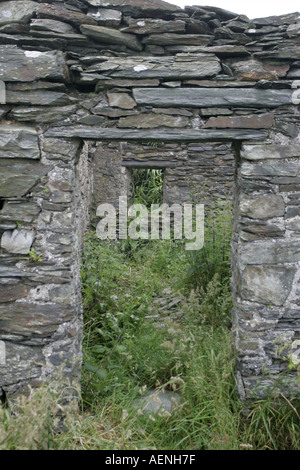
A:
x: 69, y: 39
x: 152, y: 120
x: 227, y: 35
x: 41, y: 114
x: 270, y: 168
x: 21, y: 211
x: 294, y: 73
x: 12, y: 292
x: 19, y: 142
x: 33, y: 43
x: 221, y: 13
x: 4, y: 110
x: 260, y: 231
x: 158, y: 402
x: 136, y: 8
x: 17, y: 241
x: 19, y: 65
x: 293, y: 225
x: 33, y: 320
x: 16, y: 185
x: 128, y: 83
x: 172, y: 39
x: 105, y: 16
x: 209, y: 97
x: 269, y: 151
x: 38, y: 98
x: 151, y: 26
x: 194, y: 26
x: 11, y: 272
x: 51, y: 25
x: 293, y: 211
x: 215, y: 111
x: 113, y: 112
x: 91, y: 120
x: 282, y: 53
x: 262, y: 207
x: 225, y: 51
x: 267, y: 285
x: 111, y: 36
x: 16, y: 179
x: 259, y: 121
x: 121, y: 100
x: 289, y: 18
x: 199, y: 12
x: 16, y: 11
x: 218, y: 83
x: 293, y: 30
x: 15, y: 28
x: 269, y: 252
x: 178, y: 67
x: 171, y: 135
x: 239, y: 25
x: 255, y: 70
x: 38, y: 85
x: 60, y: 13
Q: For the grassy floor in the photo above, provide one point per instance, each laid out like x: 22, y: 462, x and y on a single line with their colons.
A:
x: 128, y: 352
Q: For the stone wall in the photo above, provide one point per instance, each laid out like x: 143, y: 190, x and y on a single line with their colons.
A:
x: 96, y: 87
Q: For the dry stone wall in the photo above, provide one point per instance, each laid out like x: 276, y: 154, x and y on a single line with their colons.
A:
x: 91, y: 88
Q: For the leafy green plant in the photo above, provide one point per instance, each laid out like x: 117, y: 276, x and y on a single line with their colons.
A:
x: 214, y: 257
x: 147, y: 186
x: 34, y: 257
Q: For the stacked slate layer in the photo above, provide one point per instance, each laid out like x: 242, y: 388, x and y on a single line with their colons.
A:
x: 94, y: 87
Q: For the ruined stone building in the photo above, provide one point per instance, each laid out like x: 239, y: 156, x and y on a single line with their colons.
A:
x: 93, y: 88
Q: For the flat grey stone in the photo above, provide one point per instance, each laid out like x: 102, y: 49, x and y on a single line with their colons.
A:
x: 18, y: 241
x: 38, y: 98
x: 22, y: 211
x: 269, y: 151
x: 15, y: 183
x: 59, y: 12
x: 282, y: 53
x: 12, y: 292
x: 262, y: 207
x: 267, y: 285
x: 19, y: 65
x: 111, y: 36
x: 185, y: 135
x: 51, y: 25
x: 270, y: 252
x: 135, y: 8
x: 269, y: 168
x: 210, y: 97
x: 11, y: 271
x: 42, y: 114
x: 155, y: 402
x: 172, y: 39
x: 33, y: 320
x: 19, y: 142
x: 152, y: 120
x: 16, y: 12
x: 150, y: 26
x: 181, y: 66
x: 105, y: 16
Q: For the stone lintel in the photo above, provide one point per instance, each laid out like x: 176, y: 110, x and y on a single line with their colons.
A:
x: 163, y: 135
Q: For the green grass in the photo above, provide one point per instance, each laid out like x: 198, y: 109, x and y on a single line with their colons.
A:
x: 127, y: 352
